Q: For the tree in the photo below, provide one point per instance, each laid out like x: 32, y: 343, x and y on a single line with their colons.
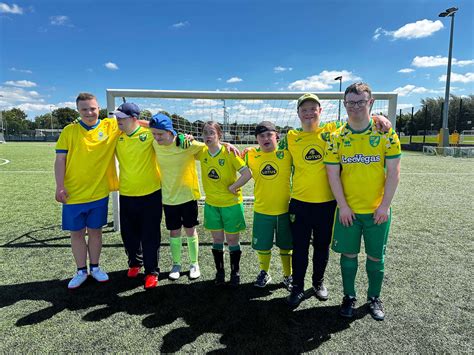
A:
x: 63, y: 116
x: 145, y: 115
x: 15, y: 121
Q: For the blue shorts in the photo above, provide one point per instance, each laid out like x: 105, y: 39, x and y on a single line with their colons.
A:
x: 90, y: 214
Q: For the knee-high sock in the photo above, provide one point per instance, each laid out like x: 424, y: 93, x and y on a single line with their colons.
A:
x: 375, y: 272
x: 264, y: 257
x: 285, y: 256
x: 193, y: 249
x: 176, y: 243
x: 349, y: 272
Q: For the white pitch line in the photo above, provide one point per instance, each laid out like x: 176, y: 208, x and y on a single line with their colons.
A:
x: 436, y: 173
x: 5, y: 161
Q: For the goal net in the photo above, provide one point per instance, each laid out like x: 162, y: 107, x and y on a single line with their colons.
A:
x: 237, y: 112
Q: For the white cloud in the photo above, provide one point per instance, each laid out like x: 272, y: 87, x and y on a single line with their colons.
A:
x: 251, y: 102
x: 20, y: 83
x: 26, y: 71
x: 234, y: 79
x: 323, y: 80
x: 70, y: 104
x: 280, y: 69
x: 180, y: 24
x: 418, y: 29
x: 406, y: 70
x: 460, y: 78
x: 13, y: 9
x: 205, y: 102
x: 408, y: 90
x: 60, y: 20
x: 437, y: 61
x: 111, y: 66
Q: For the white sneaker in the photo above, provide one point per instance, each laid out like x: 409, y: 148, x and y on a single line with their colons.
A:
x: 175, y: 272
x: 194, y: 272
x: 78, y: 279
x: 99, y: 274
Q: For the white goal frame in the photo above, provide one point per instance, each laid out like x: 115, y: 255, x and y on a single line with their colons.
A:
x: 112, y: 94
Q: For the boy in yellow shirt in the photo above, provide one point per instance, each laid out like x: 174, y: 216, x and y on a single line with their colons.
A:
x: 85, y: 174
x: 271, y: 170
x: 363, y: 167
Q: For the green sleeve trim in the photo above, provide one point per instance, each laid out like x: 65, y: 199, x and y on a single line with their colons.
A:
x: 329, y: 163
x: 393, y: 156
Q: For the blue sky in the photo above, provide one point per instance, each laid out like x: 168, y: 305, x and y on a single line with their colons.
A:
x: 51, y: 50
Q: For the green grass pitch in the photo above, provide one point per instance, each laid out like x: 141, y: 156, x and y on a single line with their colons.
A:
x: 427, y: 293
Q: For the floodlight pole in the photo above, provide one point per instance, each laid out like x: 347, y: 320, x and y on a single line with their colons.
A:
x: 445, y: 130
x: 51, y: 108
x: 340, y: 89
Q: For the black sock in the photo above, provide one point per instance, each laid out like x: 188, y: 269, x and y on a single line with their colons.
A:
x: 84, y: 268
x: 93, y: 266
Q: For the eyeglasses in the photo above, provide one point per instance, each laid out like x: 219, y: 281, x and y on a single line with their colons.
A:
x: 360, y: 103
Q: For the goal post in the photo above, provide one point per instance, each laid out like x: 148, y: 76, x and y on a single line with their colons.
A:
x: 238, y: 112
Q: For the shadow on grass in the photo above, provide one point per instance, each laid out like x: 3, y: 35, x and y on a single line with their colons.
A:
x: 244, y: 322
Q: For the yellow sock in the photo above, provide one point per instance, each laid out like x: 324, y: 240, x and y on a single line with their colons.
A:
x: 264, y: 257
x: 285, y: 256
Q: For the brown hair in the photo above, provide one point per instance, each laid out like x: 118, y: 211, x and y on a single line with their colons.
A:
x: 85, y: 96
x: 358, y: 88
x: 216, y: 126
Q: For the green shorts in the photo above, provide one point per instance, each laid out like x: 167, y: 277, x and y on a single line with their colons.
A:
x: 266, y: 226
x: 346, y: 240
x: 230, y: 219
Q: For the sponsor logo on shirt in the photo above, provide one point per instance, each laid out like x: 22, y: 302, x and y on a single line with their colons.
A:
x: 360, y: 158
x: 312, y: 155
x: 212, y: 174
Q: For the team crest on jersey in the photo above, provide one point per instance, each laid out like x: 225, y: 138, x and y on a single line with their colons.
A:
x: 268, y: 171
x: 292, y: 218
x: 221, y: 162
x: 374, y: 140
x: 312, y: 154
x: 212, y: 174
x: 100, y: 135
x: 280, y: 154
x: 347, y: 143
x: 121, y: 139
x: 142, y: 137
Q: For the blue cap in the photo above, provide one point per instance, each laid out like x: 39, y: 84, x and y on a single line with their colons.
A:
x: 161, y: 121
x: 127, y: 109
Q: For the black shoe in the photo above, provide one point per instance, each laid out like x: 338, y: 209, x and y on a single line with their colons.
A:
x: 376, y: 308
x: 263, y: 278
x: 320, y: 292
x: 347, y: 306
x: 234, y: 280
x: 220, y: 278
x: 295, y: 298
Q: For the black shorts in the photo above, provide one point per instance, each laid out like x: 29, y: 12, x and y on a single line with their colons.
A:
x: 185, y: 214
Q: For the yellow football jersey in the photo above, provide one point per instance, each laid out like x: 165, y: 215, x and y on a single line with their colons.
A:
x: 218, y: 172
x: 362, y: 155
x: 90, y: 163
x: 179, y: 178
x: 310, y: 182
x: 139, y: 173
x: 272, y: 173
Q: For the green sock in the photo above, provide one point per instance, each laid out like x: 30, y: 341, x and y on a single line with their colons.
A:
x: 193, y: 249
x: 234, y: 247
x: 375, y: 272
x: 218, y: 246
x: 176, y: 243
x: 264, y: 257
x: 349, y: 272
